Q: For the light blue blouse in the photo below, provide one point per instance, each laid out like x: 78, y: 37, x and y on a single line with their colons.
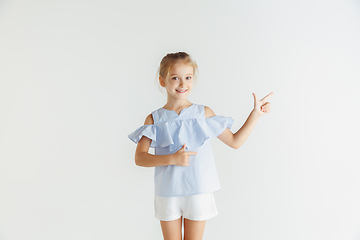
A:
x: 168, y: 134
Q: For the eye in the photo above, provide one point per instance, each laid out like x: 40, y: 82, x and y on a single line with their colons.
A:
x: 188, y: 78
x: 175, y: 78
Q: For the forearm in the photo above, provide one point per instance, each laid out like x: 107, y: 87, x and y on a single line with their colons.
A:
x: 243, y: 133
x: 150, y: 160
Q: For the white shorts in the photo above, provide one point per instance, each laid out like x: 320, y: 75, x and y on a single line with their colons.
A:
x: 196, y: 207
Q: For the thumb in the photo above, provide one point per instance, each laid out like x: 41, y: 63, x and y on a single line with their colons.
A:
x: 183, y: 147
x: 255, y: 97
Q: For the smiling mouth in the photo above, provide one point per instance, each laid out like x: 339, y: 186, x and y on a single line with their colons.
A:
x: 181, y: 91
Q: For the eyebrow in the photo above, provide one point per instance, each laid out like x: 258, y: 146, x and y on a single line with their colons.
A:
x: 178, y: 74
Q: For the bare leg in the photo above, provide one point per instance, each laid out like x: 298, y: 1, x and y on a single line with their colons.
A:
x: 172, y: 229
x: 193, y: 230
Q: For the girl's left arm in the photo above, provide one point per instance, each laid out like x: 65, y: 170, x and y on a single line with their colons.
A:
x: 235, y: 140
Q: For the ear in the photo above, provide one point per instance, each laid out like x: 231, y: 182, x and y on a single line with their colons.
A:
x: 162, y: 81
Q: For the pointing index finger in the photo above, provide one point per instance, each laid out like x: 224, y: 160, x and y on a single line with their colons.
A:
x: 191, y: 153
x: 267, y: 96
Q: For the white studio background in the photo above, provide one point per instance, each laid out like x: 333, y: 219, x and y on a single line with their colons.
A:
x: 76, y: 77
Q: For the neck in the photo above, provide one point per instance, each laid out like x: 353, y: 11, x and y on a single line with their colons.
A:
x: 173, y: 103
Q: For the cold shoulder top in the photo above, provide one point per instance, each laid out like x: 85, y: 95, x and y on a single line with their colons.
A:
x: 168, y: 134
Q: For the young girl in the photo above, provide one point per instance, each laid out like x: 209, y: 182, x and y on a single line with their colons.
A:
x: 180, y: 132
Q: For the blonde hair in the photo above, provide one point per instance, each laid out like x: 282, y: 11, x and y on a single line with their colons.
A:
x: 173, y: 58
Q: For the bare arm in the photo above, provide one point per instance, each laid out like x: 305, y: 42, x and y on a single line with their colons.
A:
x: 144, y: 159
x: 142, y: 156
x: 237, y: 139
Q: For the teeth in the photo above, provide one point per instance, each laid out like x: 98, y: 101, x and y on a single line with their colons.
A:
x: 181, y: 91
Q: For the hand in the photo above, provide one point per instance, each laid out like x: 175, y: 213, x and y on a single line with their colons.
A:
x: 181, y: 157
x: 261, y: 106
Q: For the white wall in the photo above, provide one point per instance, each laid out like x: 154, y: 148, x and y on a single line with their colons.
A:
x: 78, y: 76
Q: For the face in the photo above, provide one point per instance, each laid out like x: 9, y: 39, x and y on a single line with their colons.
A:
x: 179, y: 81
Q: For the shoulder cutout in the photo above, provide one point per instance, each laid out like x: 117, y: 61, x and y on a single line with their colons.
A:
x: 209, y: 112
x: 149, y: 120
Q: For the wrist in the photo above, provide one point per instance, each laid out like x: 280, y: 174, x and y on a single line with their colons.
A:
x: 255, y: 113
x: 171, y: 159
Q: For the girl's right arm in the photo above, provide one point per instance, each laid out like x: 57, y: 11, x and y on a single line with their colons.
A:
x: 144, y: 159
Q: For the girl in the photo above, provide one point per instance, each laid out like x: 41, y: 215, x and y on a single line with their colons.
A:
x: 180, y: 132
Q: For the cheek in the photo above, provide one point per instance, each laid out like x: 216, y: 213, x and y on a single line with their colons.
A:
x: 174, y: 84
x: 169, y: 83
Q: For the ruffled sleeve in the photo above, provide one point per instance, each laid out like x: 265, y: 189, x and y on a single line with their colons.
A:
x: 173, y: 134
x: 217, y: 124
x: 146, y: 130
